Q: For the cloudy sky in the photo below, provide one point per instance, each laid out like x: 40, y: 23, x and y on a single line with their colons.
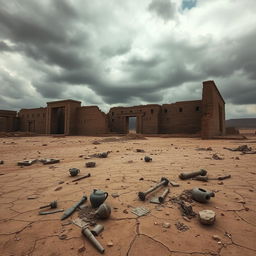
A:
x: 112, y: 52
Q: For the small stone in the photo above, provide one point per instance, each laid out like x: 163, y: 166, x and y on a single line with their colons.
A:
x: 186, y: 218
x: 207, y: 217
x: 58, y: 188
x: 166, y: 225
x: 167, y: 213
x: 125, y: 211
x: 130, y: 162
x: 155, y: 223
x: 141, y: 178
x: 61, y: 182
x: 114, y: 195
x: 44, y: 145
x: 220, y: 183
x: 110, y: 244
x: 81, y: 249
x: 147, y: 159
x: 216, y: 238
x: 90, y: 164
x: 63, y: 237
x: 1, y: 162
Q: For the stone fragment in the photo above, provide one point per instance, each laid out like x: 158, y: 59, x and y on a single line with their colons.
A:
x: 1, y: 162
x: 207, y: 217
x: 147, y: 159
x: 90, y: 164
x: 216, y: 238
x: 140, y: 150
x: 125, y: 211
x: 81, y: 249
x: 63, y: 236
x: 216, y: 157
x: 114, y: 195
x: 110, y: 244
x: 58, y: 188
x: 166, y: 225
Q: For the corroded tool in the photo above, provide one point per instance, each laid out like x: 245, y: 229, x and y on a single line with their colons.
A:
x: 164, y: 182
x: 83, y: 177
x: 51, y: 212
x: 52, y: 205
x: 163, y: 196
x: 189, y: 175
x: 87, y: 233
x: 71, y: 210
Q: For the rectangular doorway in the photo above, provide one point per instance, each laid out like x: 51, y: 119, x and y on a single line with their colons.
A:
x: 3, y: 124
x: 58, y: 120
x: 131, y: 124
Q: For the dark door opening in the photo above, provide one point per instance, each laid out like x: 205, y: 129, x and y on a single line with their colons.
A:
x: 132, y: 124
x: 31, y: 126
x: 3, y: 124
x: 58, y: 120
x: 220, y: 119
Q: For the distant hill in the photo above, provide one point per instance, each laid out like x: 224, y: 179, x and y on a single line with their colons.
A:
x: 241, y: 123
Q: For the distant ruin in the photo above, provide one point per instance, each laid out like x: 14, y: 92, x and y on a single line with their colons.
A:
x: 68, y: 117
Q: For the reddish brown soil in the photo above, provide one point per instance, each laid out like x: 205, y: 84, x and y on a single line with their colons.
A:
x: 24, y: 232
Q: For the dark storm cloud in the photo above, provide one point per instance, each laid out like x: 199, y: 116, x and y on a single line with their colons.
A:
x: 119, y: 54
x: 164, y: 9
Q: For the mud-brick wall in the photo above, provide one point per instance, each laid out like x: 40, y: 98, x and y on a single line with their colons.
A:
x: 33, y: 120
x: 181, y: 117
x: 91, y: 121
x: 213, y: 119
x: 150, y: 119
x: 8, y: 121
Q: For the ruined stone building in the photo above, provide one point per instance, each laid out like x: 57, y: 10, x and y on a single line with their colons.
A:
x: 205, y: 117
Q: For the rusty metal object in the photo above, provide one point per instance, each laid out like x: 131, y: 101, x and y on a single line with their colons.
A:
x: 201, y: 178
x: 201, y: 195
x: 49, y: 161
x: 73, y: 171
x: 71, y: 210
x: 163, y: 196
x: 88, y: 234
x: 26, y: 162
x: 51, y: 212
x: 164, y: 182
x: 52, y: 205
x: 189, y: 175
x: 103, y: 212
x: 82, y: 177
x: 97, y: 229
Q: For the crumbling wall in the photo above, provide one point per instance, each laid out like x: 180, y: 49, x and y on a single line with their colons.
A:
x: 32, y: 120
x: 91, y: 121
x: 8, y: 121
x: 213, y: 119
x: 181, y: 117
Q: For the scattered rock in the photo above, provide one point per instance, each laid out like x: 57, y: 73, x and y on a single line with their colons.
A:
x: 237, y: 158
x: 125, y: 211
x: 141, y: 178
x: 140, y: 150
x: 166, y: 225
x: 130, y: 162
x: 220, y: 183
x: 90, y: 164
x: 216, y: 157
x: 207, y: 217
x: 181, y: 226
x: 81, y: 249
x: 1, y: 162
x: 216, y: 238
x: 58, y: 188
x: 147, y: 159
x: 186, y: 218
x: 110, y: 244
x: 114, y: 195
x: 61, y: 182
x: 44, y: 145
x: 63, y: 236
x: 96, y: 142
x: 32, y: 197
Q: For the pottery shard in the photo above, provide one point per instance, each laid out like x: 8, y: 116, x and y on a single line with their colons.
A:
x: 207, y: 217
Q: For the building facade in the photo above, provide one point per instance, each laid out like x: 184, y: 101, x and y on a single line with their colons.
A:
x: 68, y: 117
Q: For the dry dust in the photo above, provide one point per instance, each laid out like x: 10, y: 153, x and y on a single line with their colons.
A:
x: 123, y: 172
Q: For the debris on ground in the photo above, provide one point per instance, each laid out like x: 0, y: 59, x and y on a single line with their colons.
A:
x: 201, y: 195
x: 181, y: 226
x: 50, y: 212
x: 49, y: 161
x: 52, y: 205
x: 58, y: 188
x: 207, y: 217
x: 73, y: 172
x: 1, y: 162
x: 32, y: 197
x: 216, y: 238
x: 216, y: 157
x: 82, y: 177
x: 242, y: 148
x: 140, y: 211
x: 90, y: 164
x: 147, y: 159
x: 189, y: 175
x: 97, y: 229
x: 174, y: 184
x: 26, y: 162
x: 204, y: 149
x: 101, y: 155
x: 96, y: 142
x: 166, y: 225
x: 114, y: 195
x: 140, y: 150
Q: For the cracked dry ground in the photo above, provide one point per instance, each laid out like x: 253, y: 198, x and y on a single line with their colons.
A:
x: 24, y: 232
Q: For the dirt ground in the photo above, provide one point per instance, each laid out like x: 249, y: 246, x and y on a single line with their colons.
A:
x: 25, y: 189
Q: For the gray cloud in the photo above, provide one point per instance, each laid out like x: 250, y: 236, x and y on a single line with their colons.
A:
x: 164, y: 9
x: 118, y: 54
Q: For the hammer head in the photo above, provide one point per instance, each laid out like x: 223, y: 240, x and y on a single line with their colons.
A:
x: 166, y: 181
x: 53, y: 204
x: 142, y: 196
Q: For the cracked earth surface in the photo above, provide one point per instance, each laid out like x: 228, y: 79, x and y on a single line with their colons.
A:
x: 24, y: 232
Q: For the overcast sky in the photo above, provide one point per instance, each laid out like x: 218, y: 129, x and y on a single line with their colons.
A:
x: 112, y: 52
